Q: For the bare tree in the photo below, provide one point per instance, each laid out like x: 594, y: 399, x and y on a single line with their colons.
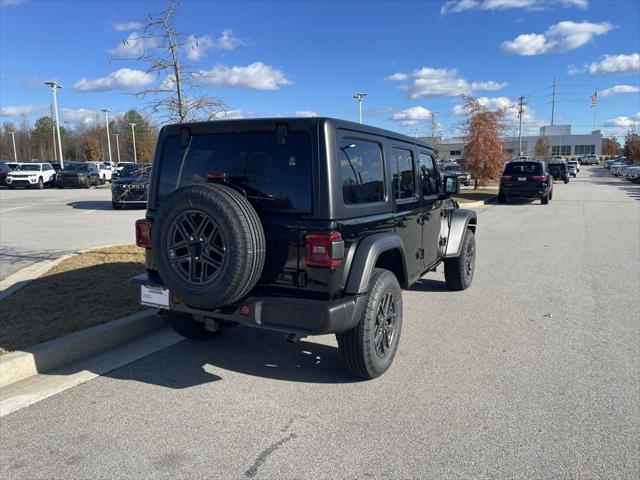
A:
x: 610, y: 146
x: 484, y: 155
x: 178, y: 95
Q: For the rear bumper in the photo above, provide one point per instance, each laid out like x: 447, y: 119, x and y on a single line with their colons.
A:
x: 524, y: 191
x: 285, y: 314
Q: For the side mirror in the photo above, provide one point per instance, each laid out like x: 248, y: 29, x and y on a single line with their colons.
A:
x: 451, y: 185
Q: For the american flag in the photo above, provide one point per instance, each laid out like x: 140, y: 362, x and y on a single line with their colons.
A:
x: 594, y: 99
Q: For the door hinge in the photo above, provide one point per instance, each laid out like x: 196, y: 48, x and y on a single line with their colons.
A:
x: 420, y: 253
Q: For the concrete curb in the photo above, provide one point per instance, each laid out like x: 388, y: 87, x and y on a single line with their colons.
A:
x: 46, y: 356
x: 478, y: 204
x: 22, y: 277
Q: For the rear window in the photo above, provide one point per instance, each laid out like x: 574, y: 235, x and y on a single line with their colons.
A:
x: 557, y: 167
x: 274, y: 176
x: 531, y: 168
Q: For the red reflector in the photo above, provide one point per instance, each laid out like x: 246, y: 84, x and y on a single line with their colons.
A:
x: 143, y: 233
x: 216, y: 175
x: 175, y: 299
x: 320, y: 249
x: 540, y: 178
x: 245, y: 310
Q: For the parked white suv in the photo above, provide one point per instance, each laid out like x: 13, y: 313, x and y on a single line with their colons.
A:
x: 31, y: 175
x: 589, y: 160
x: 105, y: 172
x: 574, y: 166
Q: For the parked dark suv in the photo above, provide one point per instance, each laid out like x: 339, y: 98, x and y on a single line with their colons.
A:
x: 526, y: 179
x: 131, y: 187
x: 77, y: 175
x: 559, y: 171
x: 306, y: 226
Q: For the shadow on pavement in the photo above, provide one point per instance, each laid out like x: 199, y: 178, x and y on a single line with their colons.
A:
x: 428, y: 285
x: 91, y: 205
x: 244, y: 350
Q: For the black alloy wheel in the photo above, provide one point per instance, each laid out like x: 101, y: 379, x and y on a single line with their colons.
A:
x: 196, y: 247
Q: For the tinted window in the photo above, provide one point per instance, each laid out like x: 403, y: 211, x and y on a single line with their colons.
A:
x: 403, y: 177
x: 274, y: 176
x: 428, y: 182
x: 28, y: 167
x: 361, y: 171
x: 135, y: 170
x: 531, y: 168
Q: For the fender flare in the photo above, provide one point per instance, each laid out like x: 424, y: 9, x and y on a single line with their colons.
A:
x: 461, y: 219
x: 367, y: 253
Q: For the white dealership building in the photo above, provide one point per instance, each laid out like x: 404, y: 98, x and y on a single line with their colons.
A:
x: 561, y: 141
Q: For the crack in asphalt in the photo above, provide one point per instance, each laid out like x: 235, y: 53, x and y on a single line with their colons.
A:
x: 253, y: 471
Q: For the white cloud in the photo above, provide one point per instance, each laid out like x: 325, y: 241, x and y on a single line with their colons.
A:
x: 126, y: 26
x: 494, y: 103
x: 431, y: 82
x: 624, y: 122
x: 457, y: 6
x: 134, y: 46
x: 561, y: 37
x: 196, y: 47
x: 236, y: 114
x: 616, y: 64
x: 11, y: 3
x: 81, y: 116
x: 411, y: 116
x: 257, y: 76
x: 306, y: 113
x: 619, y: 89
x: 124, y: 79
x: 19, y: 110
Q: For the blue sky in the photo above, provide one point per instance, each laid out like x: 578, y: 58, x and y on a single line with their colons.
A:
x: 286, y: 58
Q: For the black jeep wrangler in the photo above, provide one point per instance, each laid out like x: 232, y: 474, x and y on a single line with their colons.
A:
x: 306, y: 226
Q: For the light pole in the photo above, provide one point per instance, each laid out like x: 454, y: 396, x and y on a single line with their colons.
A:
x: 359, y: 97
x: 54, y: 87
x: 133, y: 133
x: 106, y: 121
x: 117, y: 145
x: 15, y: 155
x: 415, y: 132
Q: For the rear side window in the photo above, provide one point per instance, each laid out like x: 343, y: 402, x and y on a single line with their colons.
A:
x: 403, y: 176
x: 274, y: 176
x: 428, y: 181
x: 531, y: 168
x: 361, y: 171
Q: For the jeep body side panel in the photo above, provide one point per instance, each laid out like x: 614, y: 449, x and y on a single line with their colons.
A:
x: 367, y: 253
x: 461, y: 219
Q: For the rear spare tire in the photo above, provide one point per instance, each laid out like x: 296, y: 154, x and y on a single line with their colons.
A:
x: 208, y: 245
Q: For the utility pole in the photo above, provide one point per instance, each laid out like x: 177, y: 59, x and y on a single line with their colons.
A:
x: 520, y: 112
x: 433, y: 128
x: 54, y: 87
x: 106, y: 121
x: 133, y: 133
x: 359, y: 97
x: 415, y: 132
x: 117, y: 145
x: 553, y: 100
x: 15, y: 154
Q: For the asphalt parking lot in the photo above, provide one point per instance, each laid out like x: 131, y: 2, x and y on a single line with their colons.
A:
x: 37, y: 225
x: 531, y: 373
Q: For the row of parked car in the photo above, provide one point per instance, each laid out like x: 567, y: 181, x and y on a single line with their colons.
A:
x: 129, y: 181
x: 620, y: 167
x: 531, y: 179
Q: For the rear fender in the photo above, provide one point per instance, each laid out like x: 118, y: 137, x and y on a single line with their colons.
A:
x: 461, y: 219
x: 367, y: 254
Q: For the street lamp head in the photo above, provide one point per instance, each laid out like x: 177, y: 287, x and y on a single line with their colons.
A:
x: 105, y: 110
x: 132, y: 124
x: 359, y: 96
x: 53, y: 84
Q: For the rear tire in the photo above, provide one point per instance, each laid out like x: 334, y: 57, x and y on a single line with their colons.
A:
x: 544, y: 200
x: 458, y: 271
x: 184, y: 324
x: 566, y: 180
x: 368, y: 349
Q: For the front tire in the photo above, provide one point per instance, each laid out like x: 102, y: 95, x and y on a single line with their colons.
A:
x: 502, y: 198
x: 184, y: 324
x: 116, y: 206
x: 40, y: 184
x: 368, y: 349
x: 458, y: 271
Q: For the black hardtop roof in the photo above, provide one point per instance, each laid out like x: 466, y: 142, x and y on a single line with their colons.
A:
x: 302, y: 122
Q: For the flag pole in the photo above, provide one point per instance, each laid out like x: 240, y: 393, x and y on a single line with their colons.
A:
x: 595, y: 108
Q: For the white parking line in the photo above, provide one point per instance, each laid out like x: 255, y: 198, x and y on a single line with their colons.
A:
x: 88, y: 211
x: 14, y: 208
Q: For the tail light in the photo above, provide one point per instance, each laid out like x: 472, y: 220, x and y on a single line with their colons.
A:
x: 506, y: 177
x: 540, y: 178
x: 143, y: 233
x: 324, y: 249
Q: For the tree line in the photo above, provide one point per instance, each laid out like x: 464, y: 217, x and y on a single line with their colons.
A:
x: 80, y: 143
